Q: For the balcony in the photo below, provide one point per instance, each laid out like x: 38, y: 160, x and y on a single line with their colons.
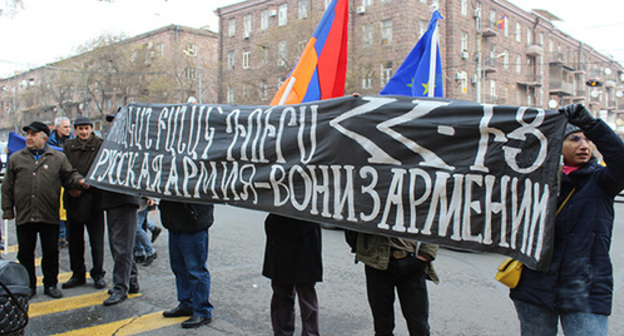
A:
x: 530, y: 80
x: 534, y: 50
x: 489, y: 66
x: 489, y: 31
x: 556, y: 58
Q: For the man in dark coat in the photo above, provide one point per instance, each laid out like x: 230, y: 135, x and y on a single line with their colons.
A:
x: 84, y: 209
x: 188, y: 225
x: 293, y: 262
x: 578, y: 288
x: 31, y: 194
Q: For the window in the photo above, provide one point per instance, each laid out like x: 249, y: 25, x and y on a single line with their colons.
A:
x: 518, y: 64
x: 191, y: 73
x: 161, y: 49
x: 303, y: 9
x: 518, y: 32
x: 492, y: 19
x: 386, y: 73
x: 506, y: 59
x: 246, y: 55
x: 327, y: 2
x: 367, y: 34
x: 464, y: 7
x: 282, y: 16
x: 386, y: 32
x: 191, y: 49
x: 529, y: 37
x: 264, y: 90
x: 463, y: 82
x: 265, y: 56
x: 422, y: 28
x: 232, y: 28
x: 464, y: 41
x: 264, y: 19
x: 423, y: 1
x: 493, y: 90
x: 282, y: 52
x: 541, y: 39
x: 505, y: 27
x: 246, y: 25
x: 230, y: 95
x: 231, y: 60
x: 367, y: 3
x: 367, y: 81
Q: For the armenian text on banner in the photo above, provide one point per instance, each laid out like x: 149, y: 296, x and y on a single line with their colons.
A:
x: 456, y: 173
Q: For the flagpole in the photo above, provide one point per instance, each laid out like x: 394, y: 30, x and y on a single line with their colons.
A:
x: 291, y: 83
x: 432, y: 61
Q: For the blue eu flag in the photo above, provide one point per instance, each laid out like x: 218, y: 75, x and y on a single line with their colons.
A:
x: 412, y: 78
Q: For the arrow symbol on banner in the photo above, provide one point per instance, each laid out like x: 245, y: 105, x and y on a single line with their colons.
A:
x: 380, y: 156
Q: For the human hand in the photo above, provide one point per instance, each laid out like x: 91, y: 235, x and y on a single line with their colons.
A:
x: 579, y: 115
x: 83, y: 184
x: 74, y: 192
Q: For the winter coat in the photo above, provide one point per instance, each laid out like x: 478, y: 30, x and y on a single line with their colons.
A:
x: 33, y: 187
x: 293, y: 250
x: 56, y: 140
x: 183, y: 217
x: 375, y: 250
x: 81, y: 155
x: 580, y: 277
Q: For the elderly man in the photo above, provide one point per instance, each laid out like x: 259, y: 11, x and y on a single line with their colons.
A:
x: 84, y: 208
x: 31, y: 194
x: 61, y: 132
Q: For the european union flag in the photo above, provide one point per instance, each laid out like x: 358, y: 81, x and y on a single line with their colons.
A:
x: 412, y: 78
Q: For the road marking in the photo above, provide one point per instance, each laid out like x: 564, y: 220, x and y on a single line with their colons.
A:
x: 70, y: 303
x: 62, y: 277
x: 130, y: 326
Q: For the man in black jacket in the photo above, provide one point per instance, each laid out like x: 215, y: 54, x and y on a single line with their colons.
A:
x: 83, y: 208
x: 188, y: 225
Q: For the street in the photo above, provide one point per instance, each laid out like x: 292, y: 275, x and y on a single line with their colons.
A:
x: 468, y: 301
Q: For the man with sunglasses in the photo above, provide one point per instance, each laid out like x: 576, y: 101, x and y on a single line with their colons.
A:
x: 577, y: 290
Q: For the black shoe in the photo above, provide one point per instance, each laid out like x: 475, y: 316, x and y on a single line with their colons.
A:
x: 139, y: 259
x: 196, y: 321
x: 74, y: 282
x: 53, y: 292
x: 134, y: 288
x: 177, y: 312
x: 99, y: 283
x: 156, y: 233
x: 150, y: 259
x: 62, y: 243
x: 114, y: 299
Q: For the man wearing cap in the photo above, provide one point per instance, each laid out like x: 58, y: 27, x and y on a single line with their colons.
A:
x: 31, y: 195
x: 84, y: 208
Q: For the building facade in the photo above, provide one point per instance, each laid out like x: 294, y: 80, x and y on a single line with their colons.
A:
x: 492, y: 52
x: 166, y: 65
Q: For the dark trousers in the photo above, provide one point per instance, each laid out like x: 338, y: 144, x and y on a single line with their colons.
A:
x: 95, y: 228
x: 283, y: 308
x: 407, y: 275
x: 27, y: 241
x: 122, y: 225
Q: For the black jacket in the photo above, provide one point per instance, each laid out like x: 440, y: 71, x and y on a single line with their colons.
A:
x: 185, y: 217
x: 293, y: 250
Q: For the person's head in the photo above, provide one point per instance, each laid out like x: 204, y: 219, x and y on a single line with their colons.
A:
x: 36, y: 135
x: 62, y: 125
x: 84, y: 127
x: 576, y: 147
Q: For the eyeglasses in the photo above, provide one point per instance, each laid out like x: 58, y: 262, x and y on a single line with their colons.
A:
x: 577, y: 138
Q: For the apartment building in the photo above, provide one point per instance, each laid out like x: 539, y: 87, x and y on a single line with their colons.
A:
x: 492, y: 52
x: 166, y: 65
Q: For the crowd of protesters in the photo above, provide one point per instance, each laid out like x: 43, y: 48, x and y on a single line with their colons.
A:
x: 576, y: 291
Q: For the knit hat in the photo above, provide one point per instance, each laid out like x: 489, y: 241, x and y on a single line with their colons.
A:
x: 571, y: 129
x: 83, y: 121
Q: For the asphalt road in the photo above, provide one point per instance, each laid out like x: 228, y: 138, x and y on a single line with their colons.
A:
x: 468, y: 301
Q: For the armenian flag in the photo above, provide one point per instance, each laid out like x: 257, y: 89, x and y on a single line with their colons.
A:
x: 321, y: 70
x: 500, y: 24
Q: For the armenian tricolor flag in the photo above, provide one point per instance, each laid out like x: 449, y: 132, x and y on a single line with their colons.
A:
x: 500, y: 24
x: 321, y: 70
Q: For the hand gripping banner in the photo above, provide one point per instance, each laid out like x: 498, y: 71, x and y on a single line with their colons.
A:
x: 455, y: 173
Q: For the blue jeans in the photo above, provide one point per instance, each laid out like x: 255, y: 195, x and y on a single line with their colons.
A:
x: 538, y: 321
x: 188, y: 253
x: 62, y: 229
x: 142, y: 244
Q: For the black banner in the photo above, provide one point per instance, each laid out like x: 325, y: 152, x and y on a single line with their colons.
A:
x: 479, y: 177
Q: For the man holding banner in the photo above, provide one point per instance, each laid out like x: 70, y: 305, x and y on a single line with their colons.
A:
x: 577, y: 289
